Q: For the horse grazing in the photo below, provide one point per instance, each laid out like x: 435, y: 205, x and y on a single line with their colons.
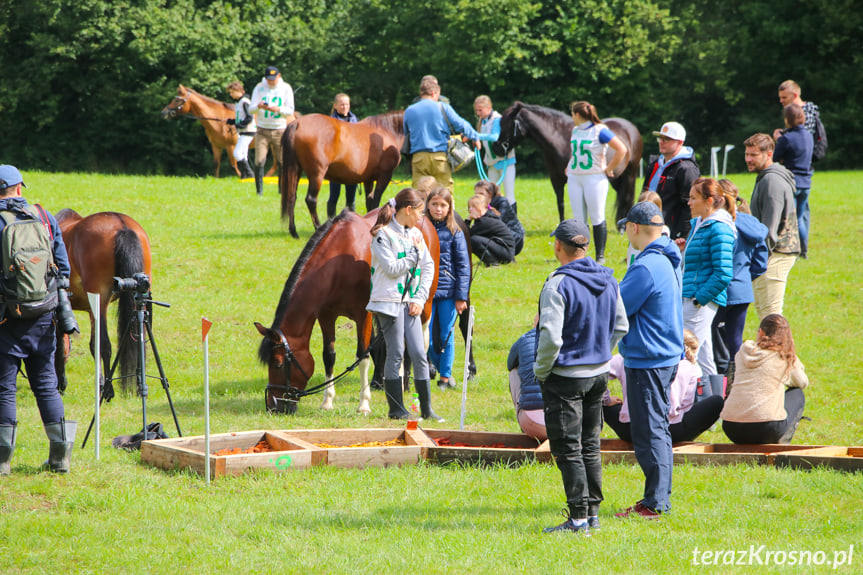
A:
x: 366, y: 152
x: 102, y: 246
x: 551, y: 130
x: 331, y: 278
x: 212, y: 114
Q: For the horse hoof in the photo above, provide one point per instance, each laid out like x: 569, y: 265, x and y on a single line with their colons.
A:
x: 327, y: 406
x: 364, y: 410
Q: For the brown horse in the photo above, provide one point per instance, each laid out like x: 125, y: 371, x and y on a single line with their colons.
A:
x: 366, y: 152
x: 212, y: 114
x: 103, y: 246
x: 331, y: 278
x: 551, y: 130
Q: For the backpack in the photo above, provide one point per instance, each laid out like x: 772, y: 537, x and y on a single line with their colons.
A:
x: 819, y: 148
x: 28, y: 283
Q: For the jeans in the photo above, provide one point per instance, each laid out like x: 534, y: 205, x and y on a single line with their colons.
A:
x: 699, y: 319
x: 442, y: 344
x: 647, y: 393
x: 573, y: 421
x: 801, y: 196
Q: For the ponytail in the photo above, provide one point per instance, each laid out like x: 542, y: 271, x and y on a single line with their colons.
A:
x: 406, y: 197
x: 585, y: 110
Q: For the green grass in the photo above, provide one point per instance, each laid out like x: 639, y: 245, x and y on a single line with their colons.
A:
x: 220, y: 252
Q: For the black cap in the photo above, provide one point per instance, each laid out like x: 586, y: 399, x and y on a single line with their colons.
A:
x: 271, y: 73
x: 572, y: 232
x: 643, y: 214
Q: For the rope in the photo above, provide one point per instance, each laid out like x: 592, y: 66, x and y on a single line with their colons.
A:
x: 480, y: 168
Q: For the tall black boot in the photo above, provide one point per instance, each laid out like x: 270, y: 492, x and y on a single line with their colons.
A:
x: 393, y: 389
x: 246, y: 171
x: 259, y: 179
x: 61, y: 437
x: 515, y: 208
x: 7, y: 447
x: 424, y: 393
x: 331, y: 210
x: 600, y: 235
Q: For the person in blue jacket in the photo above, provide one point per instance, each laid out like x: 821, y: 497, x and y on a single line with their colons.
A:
x: 750, y: 261
x: 31, y: 341
x: 523, y: 387
x: 708, y: 264
x: 450, y: 298
x: 794, y: 151
x: 427, y: 128
x: 342, y: 112
x: 651, y: 350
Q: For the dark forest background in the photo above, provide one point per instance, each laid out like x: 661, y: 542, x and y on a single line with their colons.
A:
x: 82, y: 82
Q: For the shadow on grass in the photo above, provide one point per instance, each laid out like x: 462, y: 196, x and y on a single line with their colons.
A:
x: 256, y: 235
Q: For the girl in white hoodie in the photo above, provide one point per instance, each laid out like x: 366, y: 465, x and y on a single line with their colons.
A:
x: 766, y: 401
x: 402, y: 275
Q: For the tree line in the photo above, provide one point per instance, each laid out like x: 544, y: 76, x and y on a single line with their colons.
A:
x: 83, y: 81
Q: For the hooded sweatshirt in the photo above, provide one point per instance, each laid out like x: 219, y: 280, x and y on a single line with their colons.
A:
x: 672, y: 181
x: 760, y: 381
x: 651, y: 295
x: 581, y: 318
x: 750, y: 258
x: 774, y: 205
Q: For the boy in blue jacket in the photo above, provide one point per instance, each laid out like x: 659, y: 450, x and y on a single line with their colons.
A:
x: 651, y: 350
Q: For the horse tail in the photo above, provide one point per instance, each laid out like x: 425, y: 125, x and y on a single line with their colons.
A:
x: 289, y: 170
x: 128, y: 260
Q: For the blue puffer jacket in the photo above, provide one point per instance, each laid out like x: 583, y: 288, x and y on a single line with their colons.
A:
x: 454, y: 267
x: 709, y: 259
x: 521, y: 356
x: 750, y: 258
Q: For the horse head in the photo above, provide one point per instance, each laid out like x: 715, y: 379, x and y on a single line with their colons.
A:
x: 288, y: 373
x: 179, y: 105
x: 511, y: 130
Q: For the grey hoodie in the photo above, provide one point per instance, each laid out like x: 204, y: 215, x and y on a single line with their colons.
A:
x: 774, y: 206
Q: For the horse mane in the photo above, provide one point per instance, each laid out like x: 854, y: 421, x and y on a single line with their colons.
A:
x: 393, y: 121
x: 266, y: 349
x: 210, y: 100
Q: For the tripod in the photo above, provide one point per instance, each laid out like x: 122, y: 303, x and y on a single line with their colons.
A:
x: 144, y: 323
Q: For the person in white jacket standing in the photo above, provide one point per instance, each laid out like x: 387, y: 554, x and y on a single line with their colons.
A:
x: 273, y: 106
x: 402, y: 276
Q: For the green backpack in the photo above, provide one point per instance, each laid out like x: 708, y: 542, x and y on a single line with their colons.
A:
x: 28, y: 284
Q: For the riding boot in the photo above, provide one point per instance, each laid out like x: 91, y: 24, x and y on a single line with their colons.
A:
x: 515, y: 208
x: 61, y: 437
x: 7, y: 447
x: 393, y: 388
x: 245, y: 169
x: 331, y: 210
x: 600, y: 235
x: 424, y: 393
x: 259, y: 180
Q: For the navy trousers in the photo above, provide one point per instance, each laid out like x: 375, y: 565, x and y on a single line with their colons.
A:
x: 647, y: 393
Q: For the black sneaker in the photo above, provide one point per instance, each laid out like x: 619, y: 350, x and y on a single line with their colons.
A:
x: 593, y: 523
x: 569, y: 525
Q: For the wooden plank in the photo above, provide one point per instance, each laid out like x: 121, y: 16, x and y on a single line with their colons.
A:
x: 519, y: 448
x: 361, y: 457
x: 730, y: 453
x: 836, y: 457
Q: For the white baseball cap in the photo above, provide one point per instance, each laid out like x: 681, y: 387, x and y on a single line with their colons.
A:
x: 672, y: 130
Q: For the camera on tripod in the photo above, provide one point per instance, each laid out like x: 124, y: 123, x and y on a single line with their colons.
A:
x: 140, y: 283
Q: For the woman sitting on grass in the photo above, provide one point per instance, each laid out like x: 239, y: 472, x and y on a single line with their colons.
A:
x: 500, y: 205
x: 766, y: 401
x: 687, y: 419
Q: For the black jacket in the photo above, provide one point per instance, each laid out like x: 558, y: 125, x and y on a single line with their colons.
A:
x: 673, y: 188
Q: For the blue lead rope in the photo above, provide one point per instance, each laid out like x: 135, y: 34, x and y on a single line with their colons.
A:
x: 480, y: 169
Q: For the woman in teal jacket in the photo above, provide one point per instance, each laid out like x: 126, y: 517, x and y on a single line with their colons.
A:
x: 708, y: 263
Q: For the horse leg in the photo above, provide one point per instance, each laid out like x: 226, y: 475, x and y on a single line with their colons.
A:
x: 233, y: 161
x: 364, y: 337
x: 625, y: 188
x: 217, y: 158
x: 373, y: 195
x: 463, y: 321
x: 559, y: 185
x: 328, y: 331
x: 312, y: 198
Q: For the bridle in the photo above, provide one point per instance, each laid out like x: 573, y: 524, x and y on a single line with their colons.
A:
x: 507, y: 144
x: 290, y: 393
x: 173, y: 111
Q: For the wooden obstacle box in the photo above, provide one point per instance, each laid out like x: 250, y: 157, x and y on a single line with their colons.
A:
x: 361, y: 447
x: 189, y: 453
x: 484, y: 447
x: 838, y: 457
x: 731, y: 453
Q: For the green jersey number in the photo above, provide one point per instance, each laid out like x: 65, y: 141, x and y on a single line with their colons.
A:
x: 276, y: 102
x: 581, y: 157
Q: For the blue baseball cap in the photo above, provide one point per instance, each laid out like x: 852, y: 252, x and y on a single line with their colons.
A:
x: 572, y: 232
x: 10, y: 176
x: 643, y: 214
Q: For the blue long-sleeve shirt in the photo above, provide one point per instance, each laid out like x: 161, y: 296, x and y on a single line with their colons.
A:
x: 428, y: 129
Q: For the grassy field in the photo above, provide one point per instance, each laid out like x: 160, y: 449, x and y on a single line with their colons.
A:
x: 221, y: 252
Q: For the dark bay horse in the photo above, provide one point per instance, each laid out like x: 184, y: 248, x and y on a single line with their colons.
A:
x: 212, y: 114
x: 551, y: 130
x: 331, y: 278
x: 102, y: 246
x: 323, y: 147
